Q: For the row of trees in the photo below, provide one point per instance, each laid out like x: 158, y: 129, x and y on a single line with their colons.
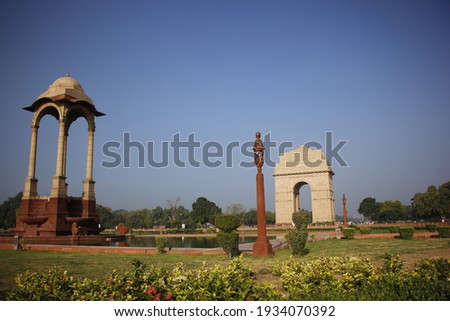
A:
x: 434, y: 204
x: 388, y: 211
x: 249, y: 217
x: 173, y: 215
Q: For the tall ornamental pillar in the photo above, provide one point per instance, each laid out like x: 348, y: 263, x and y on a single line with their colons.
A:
x: 59, y: 187
x: 262, y: 246
x: 30, y: 189
x: 88, y: 189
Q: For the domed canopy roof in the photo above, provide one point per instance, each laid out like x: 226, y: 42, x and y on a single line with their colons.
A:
x: 65, y: 88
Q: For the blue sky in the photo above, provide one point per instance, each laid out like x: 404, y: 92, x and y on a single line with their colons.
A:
x: 375, y: 73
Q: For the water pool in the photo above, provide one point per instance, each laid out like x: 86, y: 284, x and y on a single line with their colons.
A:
x: 180, y: 241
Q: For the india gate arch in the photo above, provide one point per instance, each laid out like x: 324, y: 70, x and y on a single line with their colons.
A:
x: 58, y: 214
x: 301, y: 166
x: 298, y: 191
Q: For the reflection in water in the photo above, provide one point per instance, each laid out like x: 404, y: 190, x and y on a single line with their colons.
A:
x: 180, y: 241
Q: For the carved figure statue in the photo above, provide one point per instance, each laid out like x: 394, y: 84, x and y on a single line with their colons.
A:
x: 258, y: 151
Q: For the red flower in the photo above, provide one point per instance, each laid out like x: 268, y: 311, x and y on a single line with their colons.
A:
x: 151, y: 291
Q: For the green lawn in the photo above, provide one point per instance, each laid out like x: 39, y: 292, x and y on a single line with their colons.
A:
x: 93, y: 265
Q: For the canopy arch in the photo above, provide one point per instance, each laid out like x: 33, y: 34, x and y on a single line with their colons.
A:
x: 56, y: 213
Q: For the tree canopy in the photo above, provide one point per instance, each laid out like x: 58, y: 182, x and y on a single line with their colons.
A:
x: 434, y: 203
x: 8, y: 211
x: 391, y: 211
x: 204, y: 211
x: 369, y: 208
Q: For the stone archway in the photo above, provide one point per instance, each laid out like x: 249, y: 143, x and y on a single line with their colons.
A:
x: 298, y: 204
x: 296, y: 168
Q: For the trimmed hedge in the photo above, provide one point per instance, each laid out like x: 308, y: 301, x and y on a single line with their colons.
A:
x: 444, y: 231
x: 365, y: 230
x: 227, y: 222
x: 161, y: 243
x: 211, y: 230
x: 297, y: 241
x: 301, y: 219
x: 297, y: 238
x: 406, y: 232
x: 349, y: 233
x: 229, y: 242
x: 431, y: 227
x: 394, y: 229
x: 228, y: 238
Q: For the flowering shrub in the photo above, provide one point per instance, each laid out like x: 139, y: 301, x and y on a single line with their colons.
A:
x: 325, y: 278
x: 234, y: 282
x: 339, y: 278
x: 392, y: 263
x: 55, y: 285
x: 141, y: 283
x: 434, y: 269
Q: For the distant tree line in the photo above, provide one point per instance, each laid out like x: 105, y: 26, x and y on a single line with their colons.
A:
x: 431, y: 205
x: 173, y: 215
x: 249, y: 217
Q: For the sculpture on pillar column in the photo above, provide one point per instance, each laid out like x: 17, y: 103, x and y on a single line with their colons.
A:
x: 262, y: 246
x: 344, y: 202
x: 258, y: 151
